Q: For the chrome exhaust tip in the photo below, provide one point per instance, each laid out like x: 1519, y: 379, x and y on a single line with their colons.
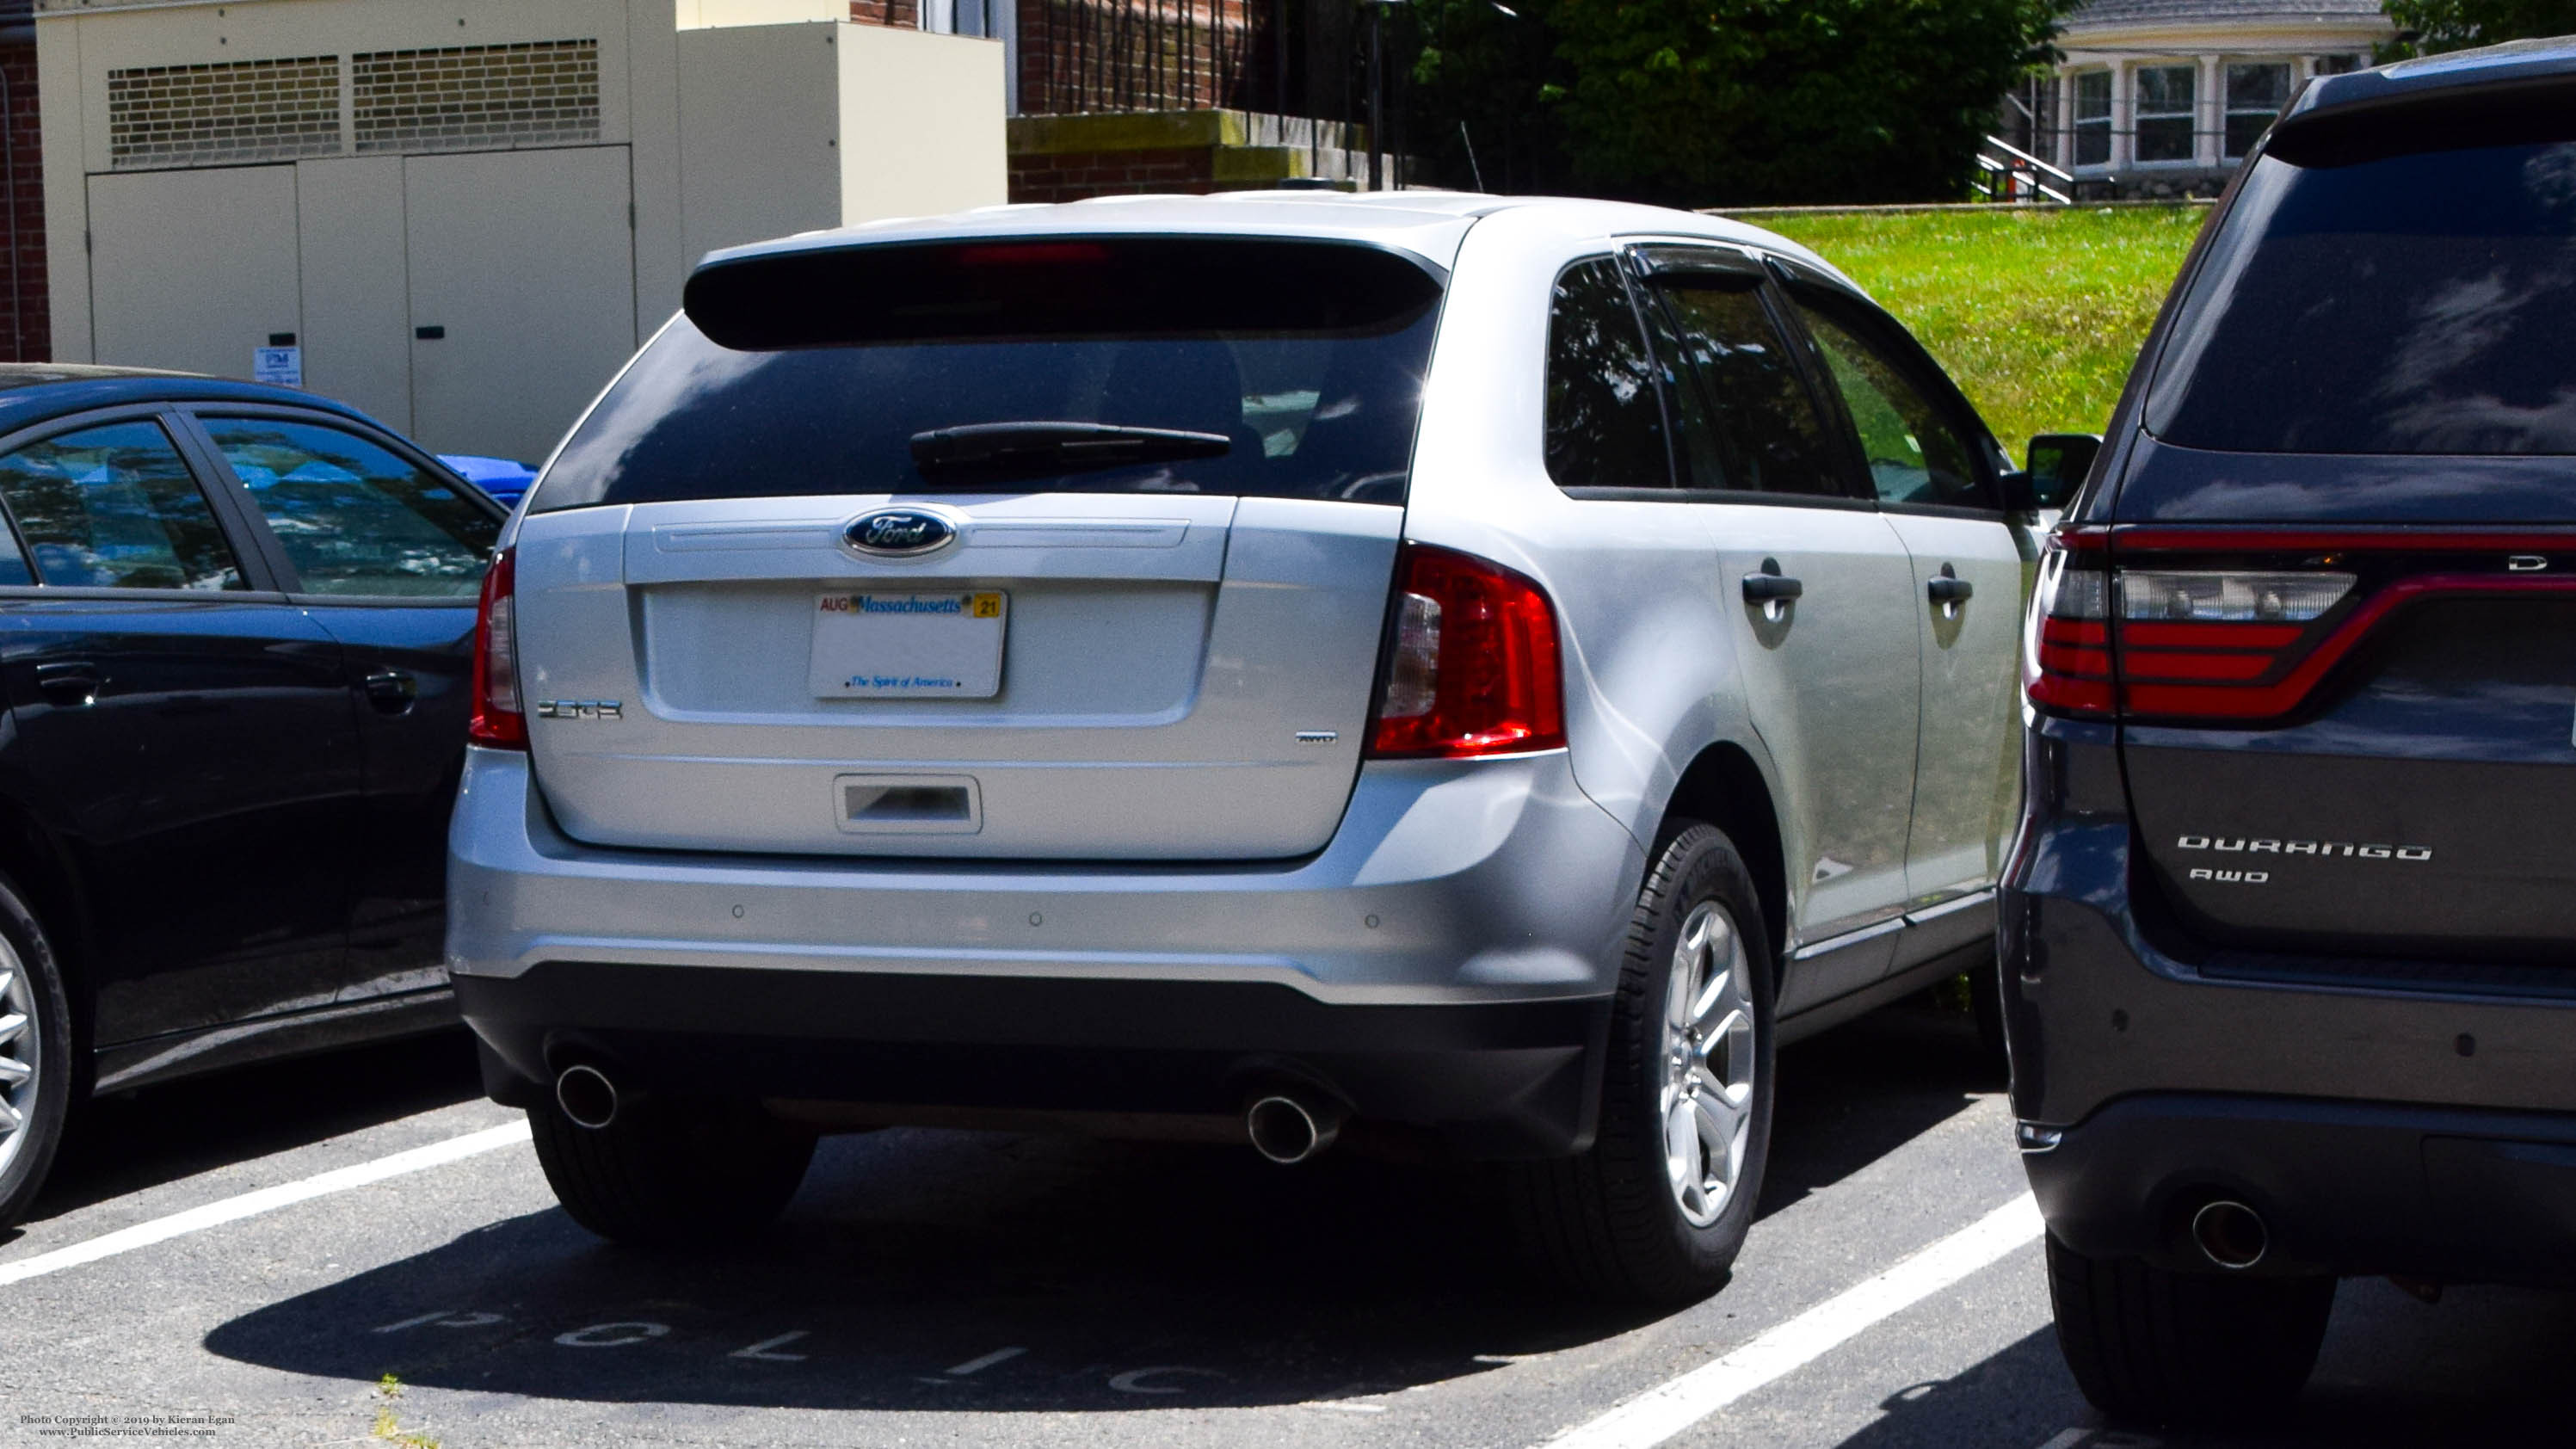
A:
x: 1288, y: 1131
x: 2230, y: 1234
x: 586, y: 1095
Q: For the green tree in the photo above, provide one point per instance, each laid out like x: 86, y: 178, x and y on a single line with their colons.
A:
x: 1725, y: 102
x: 1484, y: 97
x: 2460, y: 24
x: 1720, y: 101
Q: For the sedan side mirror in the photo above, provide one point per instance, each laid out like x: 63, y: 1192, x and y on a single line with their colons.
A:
x: 2058, y: 463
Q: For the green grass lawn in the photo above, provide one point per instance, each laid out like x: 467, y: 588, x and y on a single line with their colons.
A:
x: 2037, y: 314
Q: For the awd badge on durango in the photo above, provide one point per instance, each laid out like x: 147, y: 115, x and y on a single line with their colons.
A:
x: 898, y: 532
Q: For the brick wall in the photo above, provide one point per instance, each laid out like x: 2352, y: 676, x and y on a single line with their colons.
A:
x: 1116, y: 153
x: 25, y: 315
x: 1073, y: 175
x: 1082, y: 56
x: 886, y: 12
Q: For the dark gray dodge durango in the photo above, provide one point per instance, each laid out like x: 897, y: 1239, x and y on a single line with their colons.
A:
x: 2289, y: 930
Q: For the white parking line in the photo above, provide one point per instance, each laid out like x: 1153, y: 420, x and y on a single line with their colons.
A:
x: 1669, y: 1408
x: 266, y: 1199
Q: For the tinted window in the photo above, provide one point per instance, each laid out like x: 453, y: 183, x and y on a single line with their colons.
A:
x: 354, y: 517
x: 13, y: 564
x: 1303, y: 362
x: 115, y: 507
x: 1915, y: 454
x: 1605, y: 424
x: 2412, y: 304
x: 1767, y: 427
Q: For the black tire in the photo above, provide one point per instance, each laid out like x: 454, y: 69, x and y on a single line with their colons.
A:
x: 43, y: 1098
x: 2158, y: 1347
x: 1609, y: 1223
x: 669, y: 1174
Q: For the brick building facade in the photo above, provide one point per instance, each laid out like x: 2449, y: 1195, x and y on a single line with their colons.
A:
x: 25, y: 318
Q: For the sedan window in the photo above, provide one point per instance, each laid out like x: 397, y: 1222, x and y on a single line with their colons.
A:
x: 354, y: 517
x: 116, y: 507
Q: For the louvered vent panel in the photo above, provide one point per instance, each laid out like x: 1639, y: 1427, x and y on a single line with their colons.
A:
x: 477, y: 97
x: 221, y: 114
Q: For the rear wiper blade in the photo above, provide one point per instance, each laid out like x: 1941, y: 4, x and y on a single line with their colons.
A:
x: 1056, y: 447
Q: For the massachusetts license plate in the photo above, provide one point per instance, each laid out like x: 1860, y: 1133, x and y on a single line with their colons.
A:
x: 909, y: 646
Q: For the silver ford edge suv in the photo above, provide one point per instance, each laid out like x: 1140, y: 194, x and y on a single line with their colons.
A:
x: 1459, y: 674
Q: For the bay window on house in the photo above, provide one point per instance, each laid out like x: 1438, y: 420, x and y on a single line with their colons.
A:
x: 2256, y: 92
x: 2164, y: 112
x: 2092, y: 110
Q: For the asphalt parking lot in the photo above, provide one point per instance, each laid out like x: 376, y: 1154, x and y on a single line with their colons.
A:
x: 959, y: 1288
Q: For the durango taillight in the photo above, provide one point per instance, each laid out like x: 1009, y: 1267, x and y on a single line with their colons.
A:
x: 2115, y: 637
x: 1472, y: 666
x: 498, y: 720
x: 2066, y: 658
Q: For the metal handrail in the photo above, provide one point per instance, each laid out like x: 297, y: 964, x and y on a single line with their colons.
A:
x: 2018, y: 178
x: 2028, y: 160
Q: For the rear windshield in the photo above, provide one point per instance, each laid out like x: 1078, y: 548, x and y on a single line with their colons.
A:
x: 1295, y: 366
x: 2411, y: 304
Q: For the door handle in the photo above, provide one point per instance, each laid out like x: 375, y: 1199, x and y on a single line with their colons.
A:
x: 70, y: 682
x: 392, y: 690
x: 1949, y: 591
x: 1770, y: 586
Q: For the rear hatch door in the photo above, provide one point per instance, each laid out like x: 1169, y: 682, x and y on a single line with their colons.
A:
x: 2345, y: 598
x: 1104, y: 575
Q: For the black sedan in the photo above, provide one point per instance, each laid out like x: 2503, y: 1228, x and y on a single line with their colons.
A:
x: 236, y: 637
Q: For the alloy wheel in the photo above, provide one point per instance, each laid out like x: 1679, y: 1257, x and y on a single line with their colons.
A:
x: 1708, y: 1050
x: 21, y: 1062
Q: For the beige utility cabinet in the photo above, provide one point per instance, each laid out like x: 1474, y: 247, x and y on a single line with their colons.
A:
x: 463, y: 215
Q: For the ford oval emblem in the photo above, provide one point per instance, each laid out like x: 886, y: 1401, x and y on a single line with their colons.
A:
x: 898, y: 532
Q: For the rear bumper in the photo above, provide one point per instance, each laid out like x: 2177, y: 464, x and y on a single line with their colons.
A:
x: 2380, y: 1130
x: 2344, y: 1187
x: 1444, y: 963
x: 1507, y: 1079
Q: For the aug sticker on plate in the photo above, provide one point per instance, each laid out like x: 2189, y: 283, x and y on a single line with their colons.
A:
x: 909, y: 646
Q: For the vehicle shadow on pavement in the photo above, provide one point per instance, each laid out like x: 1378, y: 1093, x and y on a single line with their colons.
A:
x: 130, y: 1142
x: 2484, y: 1366
x: 1852, y: 1095
x: 928, y: 1270
x: 931, y: 1270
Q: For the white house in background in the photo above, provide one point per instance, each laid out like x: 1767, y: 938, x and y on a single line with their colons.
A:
x: 2164, y: 97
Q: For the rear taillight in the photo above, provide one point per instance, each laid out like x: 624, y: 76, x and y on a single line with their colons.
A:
x: 2066, y: 658
x: 1472, y: 664
x: 2177, y: 643
x: 498, y: 721
x: 2216, y: 643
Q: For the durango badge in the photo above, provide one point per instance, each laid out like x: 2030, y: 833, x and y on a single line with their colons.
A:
x: 898, y: 532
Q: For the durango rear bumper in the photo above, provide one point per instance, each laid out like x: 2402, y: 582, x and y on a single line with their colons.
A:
x: 2346, y: 1187
x: 1443, y: 964
x: 2392, y: 1123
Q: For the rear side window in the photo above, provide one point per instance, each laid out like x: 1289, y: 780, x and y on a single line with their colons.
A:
x: 1765, y: 422
x: 1605, y: 417
x: 1914, y: 453
x: 2407, y: 304
x: 352, y: 516
x: 1175, y: 365
x: 115, y: 507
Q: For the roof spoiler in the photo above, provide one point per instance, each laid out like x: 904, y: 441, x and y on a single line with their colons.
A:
x: 2513, y: 113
